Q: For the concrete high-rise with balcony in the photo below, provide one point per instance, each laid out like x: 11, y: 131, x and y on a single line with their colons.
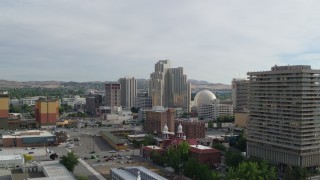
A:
x: 113, y: 95
x: 284, y: 123
x: 128, y: 91
x: 169, y: 86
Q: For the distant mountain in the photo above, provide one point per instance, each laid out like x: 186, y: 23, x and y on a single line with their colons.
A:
x: 197, y: 85
x: 99, y: 85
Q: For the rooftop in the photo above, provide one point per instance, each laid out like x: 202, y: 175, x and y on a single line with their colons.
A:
x: 10, y: 157
x: 31, y: 133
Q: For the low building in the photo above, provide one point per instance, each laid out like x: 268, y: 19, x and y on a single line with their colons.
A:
x: 11, y: 161
x: 205, y: 155
x: 134, y: 173
x: 115, y: 141
x: 146, y: 151
x: 29, y: 138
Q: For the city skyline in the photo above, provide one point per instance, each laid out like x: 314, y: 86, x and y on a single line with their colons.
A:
x: 213, y: 41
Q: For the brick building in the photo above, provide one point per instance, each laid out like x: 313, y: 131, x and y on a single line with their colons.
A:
x: 47, y: 112
x: 157, y: 118
x: 205, y: 155
x: 191, y: 129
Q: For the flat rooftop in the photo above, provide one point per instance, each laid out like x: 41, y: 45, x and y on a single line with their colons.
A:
x: 10, y: 157
x: 200, y: 147
x: 31, y: 133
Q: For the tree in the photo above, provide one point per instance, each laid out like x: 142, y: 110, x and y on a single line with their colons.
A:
x: 157, y: 158
x: 198, y: 171
x: 134, y: 109
x: 53, y: 156
x: 252, y: 171
x: 295, y: 173
x: 27, y: 157
x: 210, y: 124
x: 241, y: 143
x: 70, y: 161
x: 82, y: 177
x: 233, y: 158
x: 219, y: 146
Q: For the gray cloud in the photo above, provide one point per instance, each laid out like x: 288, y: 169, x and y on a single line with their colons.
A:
x: 104, y: 40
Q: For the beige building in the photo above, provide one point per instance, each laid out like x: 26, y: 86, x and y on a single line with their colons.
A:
x: 113, y: 94
x: 128, y: 91
x: 169, y: 87
x: 284, y: 115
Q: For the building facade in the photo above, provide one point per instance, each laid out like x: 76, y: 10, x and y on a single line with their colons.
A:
x: 113, y: 94
x: 157, y: 118
x: 240, y: 94
x: 284, y: 119
x: 47, y: 112
x: 191, y: 129
x: 32, y: 138
x: 4, y: 110
x: 169, y: 87
x: 93, y: 102
x: 128, y: 91
x: 143, y: 102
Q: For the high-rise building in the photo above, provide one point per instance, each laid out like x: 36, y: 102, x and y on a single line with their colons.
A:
x: 47, y: 112
x: 113, y: 94
x: 169, y: 86
x: 4, y: 110
x: 93, y: 101
x: 240, y: 96
x: 284, y: 106
x: 128, y: 91
x: 157, y: 118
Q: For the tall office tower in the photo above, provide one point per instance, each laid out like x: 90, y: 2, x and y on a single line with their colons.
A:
x: 93, y: 101
x: 240, y: 96
x: 169, y: 87
x: 284, y: 106
x: 47, y: 112
x: 128, y: 91
x: 113, y: 95
x: 4, y: 110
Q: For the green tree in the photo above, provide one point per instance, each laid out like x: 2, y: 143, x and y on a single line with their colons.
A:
x: 210, y: 124
x: 27, y: 157
x: 295, y: 173
x: 13, y: 109
x: 219, y: 146
x: 233, y: 158
x: 198, y: 171
x: 82, y: 177
x: 70, y: 161
x: 241, y: 143
x: 157, y: 158
x: 134, y: 109
x: 252, y: 171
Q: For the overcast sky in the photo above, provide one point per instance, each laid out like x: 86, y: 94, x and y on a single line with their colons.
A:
x: 214, y: 40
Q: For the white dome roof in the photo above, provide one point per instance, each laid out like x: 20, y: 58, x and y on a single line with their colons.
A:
x: 180, y: 128
x: 204, y: 97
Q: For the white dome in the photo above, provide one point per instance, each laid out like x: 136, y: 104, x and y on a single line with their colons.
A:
x: 180, y: 128
x: 204, y: 97
x: 165, y: 128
